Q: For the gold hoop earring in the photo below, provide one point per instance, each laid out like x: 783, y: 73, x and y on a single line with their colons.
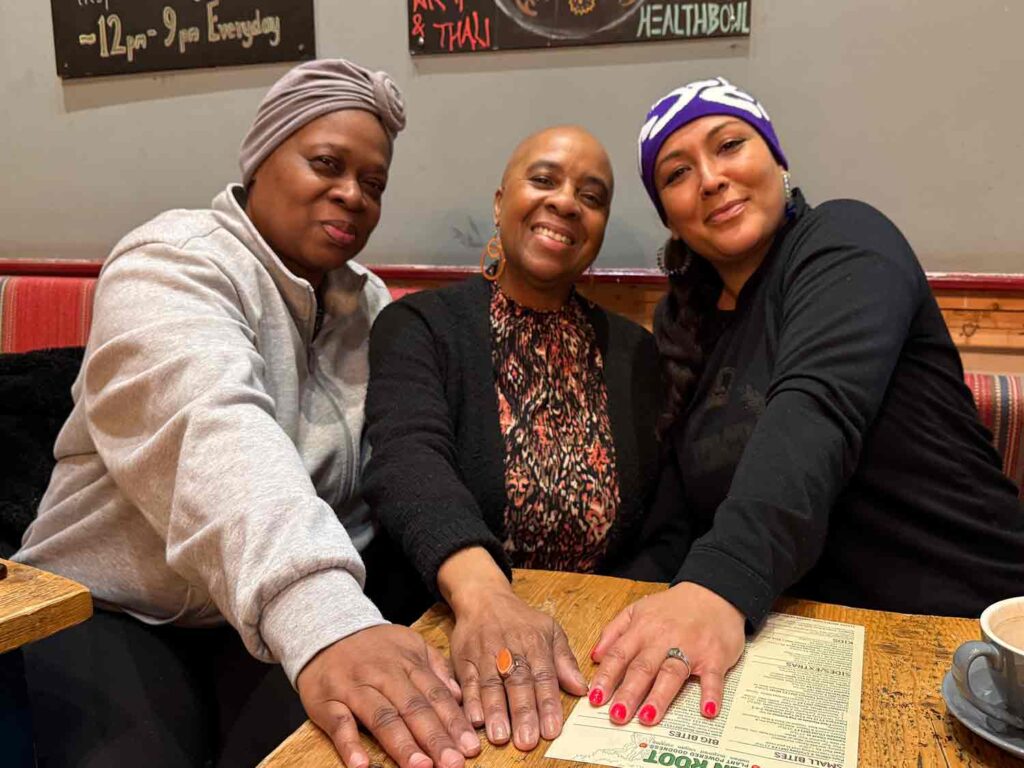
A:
x: 492, y: 260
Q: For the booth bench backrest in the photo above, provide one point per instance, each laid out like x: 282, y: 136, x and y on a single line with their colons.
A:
x: 40, y: 311
x: 37, y: 312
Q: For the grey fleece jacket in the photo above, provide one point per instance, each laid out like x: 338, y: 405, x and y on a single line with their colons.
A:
x: 214, y: 443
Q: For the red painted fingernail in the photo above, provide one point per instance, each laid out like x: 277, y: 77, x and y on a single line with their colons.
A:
x: 710, y: 708
x: 593, y: 653
x: 647, y: 714
x: 619, y: 711
x: 596, y: 697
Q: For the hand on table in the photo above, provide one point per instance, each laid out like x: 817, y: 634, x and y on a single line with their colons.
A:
x: 484, y: 626
x: 637, y: 675
x: 488, y: 618
x: 400, y: 688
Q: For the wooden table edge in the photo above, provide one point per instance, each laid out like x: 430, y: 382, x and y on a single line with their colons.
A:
x: 32, y: 622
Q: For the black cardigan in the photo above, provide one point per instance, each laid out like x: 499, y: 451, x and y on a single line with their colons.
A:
x: 436, y: 475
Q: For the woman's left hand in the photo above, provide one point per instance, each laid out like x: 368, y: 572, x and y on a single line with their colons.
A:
x: 639, y: 677
x: 530, y: 694
x: 489, y: 617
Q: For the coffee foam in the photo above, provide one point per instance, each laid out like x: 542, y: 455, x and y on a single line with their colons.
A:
x: 1010, y: 631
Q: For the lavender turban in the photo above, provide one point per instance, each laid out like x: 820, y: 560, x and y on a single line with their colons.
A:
x: 311, y: 90
x: 684, y: 105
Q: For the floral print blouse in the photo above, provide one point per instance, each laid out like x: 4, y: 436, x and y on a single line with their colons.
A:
x: 560, y: 472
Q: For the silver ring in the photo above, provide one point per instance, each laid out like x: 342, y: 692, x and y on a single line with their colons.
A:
x: 518, y: 662
x: 675, y: 653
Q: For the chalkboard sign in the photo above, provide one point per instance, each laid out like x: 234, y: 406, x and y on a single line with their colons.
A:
x: 463, y: 26
x: 112, y: 37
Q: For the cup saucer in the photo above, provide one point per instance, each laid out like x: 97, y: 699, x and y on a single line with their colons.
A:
x: 1009, y: 738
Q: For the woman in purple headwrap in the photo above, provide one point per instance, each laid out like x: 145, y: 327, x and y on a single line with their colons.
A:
x: 206, y: 488
x: 822, y: 439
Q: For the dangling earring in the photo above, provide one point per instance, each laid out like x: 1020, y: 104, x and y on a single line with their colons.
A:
x: 787, y: 190
x: 492, y: 260
x: 674, y: 271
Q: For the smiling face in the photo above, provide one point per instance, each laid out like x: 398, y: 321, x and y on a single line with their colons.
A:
x: 317, y: 197
x: 722, y: 191
x: 551, y: 212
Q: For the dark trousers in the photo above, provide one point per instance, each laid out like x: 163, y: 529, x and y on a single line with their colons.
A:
x: 114, y: 691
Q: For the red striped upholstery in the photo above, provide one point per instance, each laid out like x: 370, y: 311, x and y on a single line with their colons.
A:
x: 1000, y: 401
x: 38, y: 312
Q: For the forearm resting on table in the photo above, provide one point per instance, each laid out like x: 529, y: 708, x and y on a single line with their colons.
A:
x: 469, y: 577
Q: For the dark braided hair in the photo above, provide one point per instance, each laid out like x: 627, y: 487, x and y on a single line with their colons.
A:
x: 680, y: 325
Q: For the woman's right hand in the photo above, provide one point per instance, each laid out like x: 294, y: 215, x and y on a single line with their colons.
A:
x: 489, y: 617
x: 638, y: 677
x: 389, y: 679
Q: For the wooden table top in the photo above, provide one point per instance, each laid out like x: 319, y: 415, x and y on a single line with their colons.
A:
x: 35, y: 604
x: 904, y: 721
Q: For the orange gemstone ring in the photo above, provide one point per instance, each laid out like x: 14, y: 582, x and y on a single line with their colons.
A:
x: 505, y: 663
x: 508, y: 662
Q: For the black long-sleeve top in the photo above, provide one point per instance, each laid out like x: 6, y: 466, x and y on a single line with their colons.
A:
x: 831, y: 447
x: 436, y: 476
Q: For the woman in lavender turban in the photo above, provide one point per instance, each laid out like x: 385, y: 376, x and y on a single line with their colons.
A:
x: 821, y: 437
x: 207, y: 483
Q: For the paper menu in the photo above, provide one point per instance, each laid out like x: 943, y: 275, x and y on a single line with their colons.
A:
x: 793, y: 699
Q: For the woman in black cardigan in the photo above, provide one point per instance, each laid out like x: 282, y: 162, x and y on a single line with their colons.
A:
x: 512, y: 424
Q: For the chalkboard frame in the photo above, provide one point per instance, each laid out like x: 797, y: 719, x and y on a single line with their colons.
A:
x: 94, y: 38
x: 441, y: 27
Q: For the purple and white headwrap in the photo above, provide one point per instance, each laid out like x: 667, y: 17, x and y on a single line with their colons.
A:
x: 684, y: 105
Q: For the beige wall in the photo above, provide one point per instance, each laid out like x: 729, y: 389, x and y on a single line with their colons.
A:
x: 913, y: 105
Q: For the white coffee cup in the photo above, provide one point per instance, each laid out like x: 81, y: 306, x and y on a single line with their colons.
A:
x: 1002, y: 627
